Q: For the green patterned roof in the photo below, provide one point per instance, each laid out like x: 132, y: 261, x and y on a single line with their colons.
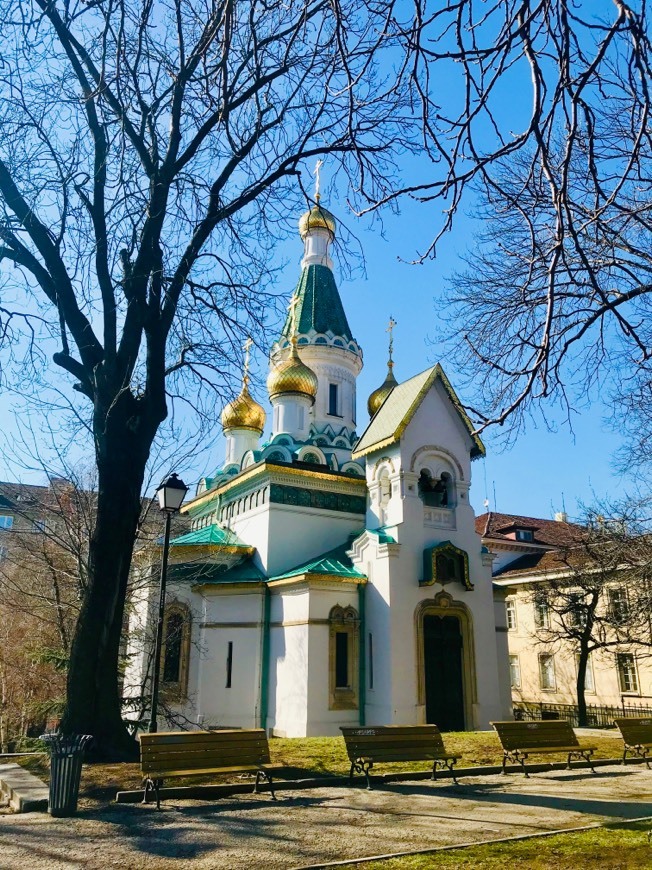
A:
x: 320, y: 307
x: 400, y: 406
x: 334, y: 562
x: 212, y: 534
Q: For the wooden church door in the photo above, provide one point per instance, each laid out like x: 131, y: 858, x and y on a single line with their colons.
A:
x: 442, y: 656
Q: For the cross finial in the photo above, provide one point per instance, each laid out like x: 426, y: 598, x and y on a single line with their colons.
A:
x: 390, y: 329
x: 246, y: 348
x: 316, y: 173
x: 292, y: 308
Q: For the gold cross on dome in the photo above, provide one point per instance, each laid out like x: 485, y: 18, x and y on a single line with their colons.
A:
x: 246, y: 348
x: 292, y: 308
x: 390, y: 328
x: 316, y: 173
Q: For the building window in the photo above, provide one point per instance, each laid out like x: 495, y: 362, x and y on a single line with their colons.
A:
x: 371, y: 661
x: 6, y: 522
x: 547, y: 672
x: 589, y: 682
x: 627, y: 676
x: 514, y: 672
x: 524, y: 535
x: 510, y: 609
x: 176, y: 650
x: 618, y: 604
x: 332, y: 400
x: 229, y: 664
x: 541, y: 611
x: 576, y: 610
x: 343, y: 658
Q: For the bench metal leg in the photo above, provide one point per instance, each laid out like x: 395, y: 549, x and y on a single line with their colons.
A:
x: 152, y: 785
x: 515, y: 757
x: 266, y: 776
x: 360, y: 765
x: 447, y: 763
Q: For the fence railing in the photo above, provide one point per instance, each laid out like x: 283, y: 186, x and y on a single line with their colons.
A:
x: 596, y: 716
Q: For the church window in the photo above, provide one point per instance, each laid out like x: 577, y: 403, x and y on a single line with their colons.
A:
x: 435, y: 493
x: 547, y: 672
x: 176, y: 650
x: 229, y: 664
x: 312, y: 458
x: 371, y: 661
x: 510, y: 609
x: 449, y: 567
x: 343, y: 658
x: 276, y: 456
x: 332, y: 400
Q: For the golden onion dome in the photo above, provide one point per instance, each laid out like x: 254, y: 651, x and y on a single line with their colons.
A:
x: 318, y: 218
x: 292, y: 376
x: 244, y: 412
x: 378, y: 396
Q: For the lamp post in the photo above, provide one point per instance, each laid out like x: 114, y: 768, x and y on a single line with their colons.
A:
x: 170, y: 496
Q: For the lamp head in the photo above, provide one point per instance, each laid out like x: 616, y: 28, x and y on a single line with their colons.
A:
x: 171, y: 493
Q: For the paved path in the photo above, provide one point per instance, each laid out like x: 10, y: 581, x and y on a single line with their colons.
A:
x: 306, y: 827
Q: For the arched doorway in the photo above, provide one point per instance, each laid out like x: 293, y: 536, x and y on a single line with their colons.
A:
x: 443, y: 675
x: 446, y: 684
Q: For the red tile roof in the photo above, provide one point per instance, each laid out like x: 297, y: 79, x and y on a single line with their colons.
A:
x: 550, y: 533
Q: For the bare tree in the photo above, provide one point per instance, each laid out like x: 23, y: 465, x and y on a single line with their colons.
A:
x: 548, y: 121
x: 599, y: 596
x: 146, y: 149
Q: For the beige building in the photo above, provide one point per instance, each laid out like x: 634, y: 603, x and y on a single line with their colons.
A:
x: 528, y: 552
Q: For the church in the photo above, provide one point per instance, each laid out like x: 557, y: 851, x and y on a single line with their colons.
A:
x: 330, y: 578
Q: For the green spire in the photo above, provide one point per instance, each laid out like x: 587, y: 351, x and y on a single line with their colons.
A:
x: 319, y: 304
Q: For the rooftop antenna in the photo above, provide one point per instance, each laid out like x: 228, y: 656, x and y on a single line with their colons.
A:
x: 495, y: 502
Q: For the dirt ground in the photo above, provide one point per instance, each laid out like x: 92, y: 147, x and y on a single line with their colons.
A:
x: 304, y: 828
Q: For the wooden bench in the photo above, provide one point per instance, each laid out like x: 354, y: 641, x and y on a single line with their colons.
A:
x: 169, y: 754
x: 521, y: 739
x: 386, y: 743
x: 637, y: 736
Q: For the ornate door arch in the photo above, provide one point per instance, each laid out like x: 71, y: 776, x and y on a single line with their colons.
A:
x: 446, y: 682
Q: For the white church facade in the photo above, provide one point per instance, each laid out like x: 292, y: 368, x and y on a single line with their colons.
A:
x: 330, y: 579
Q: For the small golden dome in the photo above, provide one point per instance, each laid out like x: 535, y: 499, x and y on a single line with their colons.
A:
x: 244, y: 412
x: 378, y: 396
x: 292, y: 376
x: 318, y: 218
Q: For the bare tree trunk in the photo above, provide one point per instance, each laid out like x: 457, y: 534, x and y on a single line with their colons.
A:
x: 94, y: 705
x: 582, y: 663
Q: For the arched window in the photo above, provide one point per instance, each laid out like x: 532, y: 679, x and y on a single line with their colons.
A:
x: 175, y: 651
x: 343, y: 654
x: 312, y: 458
x: 435, y: 492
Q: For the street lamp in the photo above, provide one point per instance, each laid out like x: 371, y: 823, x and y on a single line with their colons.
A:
x: 170, y: 496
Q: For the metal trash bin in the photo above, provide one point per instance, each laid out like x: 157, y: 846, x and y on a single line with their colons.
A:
x: 66, y: 758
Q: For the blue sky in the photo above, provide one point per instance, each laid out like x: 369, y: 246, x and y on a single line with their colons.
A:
x: 539, y: 473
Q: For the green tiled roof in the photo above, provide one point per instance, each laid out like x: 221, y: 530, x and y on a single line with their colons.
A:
x: 383, y: 537
x: 393, y: 416
x: 213, y: 534
x: 320, y: 307
x: 211, y: 574
x: 334, y: 562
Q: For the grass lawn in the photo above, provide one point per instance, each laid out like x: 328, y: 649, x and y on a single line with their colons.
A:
x: 310, y: 756
x: 609, y: 848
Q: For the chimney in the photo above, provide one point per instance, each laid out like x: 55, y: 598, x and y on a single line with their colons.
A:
x: 561, y: 517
